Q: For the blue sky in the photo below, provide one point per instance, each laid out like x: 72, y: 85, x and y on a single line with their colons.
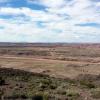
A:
x: 50, y: 21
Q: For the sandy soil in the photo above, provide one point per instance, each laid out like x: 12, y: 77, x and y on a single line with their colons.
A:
x: 57, y: 68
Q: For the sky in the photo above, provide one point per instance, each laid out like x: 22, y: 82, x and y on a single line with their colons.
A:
x: 50, y: 21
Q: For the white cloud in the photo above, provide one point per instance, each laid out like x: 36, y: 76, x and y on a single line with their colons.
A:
x: 59, y: 21
x: 8, y: 10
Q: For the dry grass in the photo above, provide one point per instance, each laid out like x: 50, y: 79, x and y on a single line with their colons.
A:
x: 58, y: 61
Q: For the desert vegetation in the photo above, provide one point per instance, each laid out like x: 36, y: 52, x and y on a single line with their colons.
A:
x: 22, y: 85
x: 17, y: 84
x: 49, y: 72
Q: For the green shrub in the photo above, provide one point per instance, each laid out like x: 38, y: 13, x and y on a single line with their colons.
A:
x: 43, y: 86
x: 40, y: 96
x: 53, y: 86
x: 62, y: 92
x: 37, y: 97
x: 87, y: 84
x: 1, y: 93
x: 46, y: 81
x: 73, y: 95
x: 96, y: 94
x: 2, y: 81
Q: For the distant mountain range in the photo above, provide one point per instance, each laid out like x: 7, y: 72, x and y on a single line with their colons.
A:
x: 10, y: 44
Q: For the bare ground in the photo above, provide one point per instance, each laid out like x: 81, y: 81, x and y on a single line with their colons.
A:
x: 57, y: 68
x: 59, y: 60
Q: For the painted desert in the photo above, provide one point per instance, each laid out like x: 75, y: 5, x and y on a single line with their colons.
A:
x: 49, y: 71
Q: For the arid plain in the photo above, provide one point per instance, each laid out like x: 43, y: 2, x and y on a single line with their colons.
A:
x: 49, y: 71
x: 58, y: 60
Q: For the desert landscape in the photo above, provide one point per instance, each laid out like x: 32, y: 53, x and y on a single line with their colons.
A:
x: 64, y: 71
x: 45, y: 71
x: 58, y: 60
x: 49, y: 49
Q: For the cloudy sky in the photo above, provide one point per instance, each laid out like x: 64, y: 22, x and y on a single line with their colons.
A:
x: 50, y: 20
